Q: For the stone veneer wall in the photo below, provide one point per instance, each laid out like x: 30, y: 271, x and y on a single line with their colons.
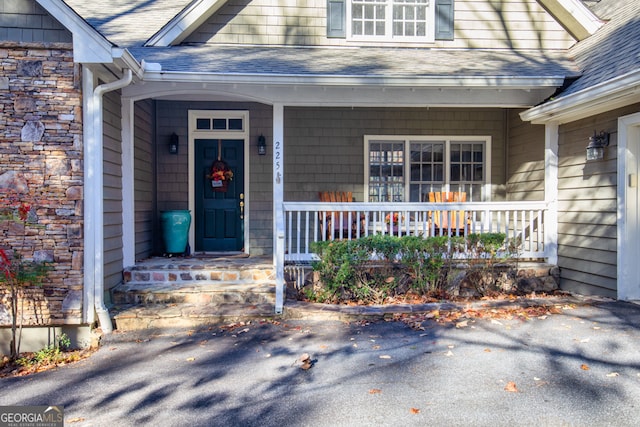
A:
x: 41, y: 159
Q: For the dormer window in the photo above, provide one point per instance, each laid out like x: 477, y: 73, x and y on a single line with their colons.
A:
x: 391, y: 19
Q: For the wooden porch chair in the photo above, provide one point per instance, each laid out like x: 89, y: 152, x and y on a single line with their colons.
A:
x: 454, y: 222
x: 332, y: 221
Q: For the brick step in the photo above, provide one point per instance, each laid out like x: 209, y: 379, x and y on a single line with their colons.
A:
x: 157, y: 316
x: 195, y: 292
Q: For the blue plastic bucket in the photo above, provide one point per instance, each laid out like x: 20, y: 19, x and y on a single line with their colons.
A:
x: 175, y: 230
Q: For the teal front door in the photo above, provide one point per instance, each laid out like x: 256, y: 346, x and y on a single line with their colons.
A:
x: 219, y: 215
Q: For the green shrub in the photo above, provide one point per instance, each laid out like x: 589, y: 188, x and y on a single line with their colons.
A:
x: 373, y: 268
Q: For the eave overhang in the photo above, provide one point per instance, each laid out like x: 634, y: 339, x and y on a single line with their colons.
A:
x: 614, y: 93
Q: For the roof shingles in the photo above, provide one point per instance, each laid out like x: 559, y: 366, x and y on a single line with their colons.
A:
x: 383, y: 62
x: 614, y: 50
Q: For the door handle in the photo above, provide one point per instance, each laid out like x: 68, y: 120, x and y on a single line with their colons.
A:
x: 241, y: 206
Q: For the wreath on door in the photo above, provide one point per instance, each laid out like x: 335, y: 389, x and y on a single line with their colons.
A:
x: 221, y: 174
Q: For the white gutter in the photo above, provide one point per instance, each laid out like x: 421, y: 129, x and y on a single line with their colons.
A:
x: 94, y: 193
x: 484, y: 82
x: 614, y: 93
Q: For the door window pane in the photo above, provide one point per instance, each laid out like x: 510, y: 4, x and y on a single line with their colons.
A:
x: 203, y: 124
x: 220, y: 124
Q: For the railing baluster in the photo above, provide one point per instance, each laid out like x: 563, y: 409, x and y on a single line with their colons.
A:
x: 289, y: 237
x: 522, y: 222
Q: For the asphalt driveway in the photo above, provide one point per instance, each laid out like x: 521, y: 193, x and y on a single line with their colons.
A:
x: 579, y: 367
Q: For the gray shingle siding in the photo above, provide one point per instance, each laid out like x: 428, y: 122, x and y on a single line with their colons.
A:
x: 26, y: 21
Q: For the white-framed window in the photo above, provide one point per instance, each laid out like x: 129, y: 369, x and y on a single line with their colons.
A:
x: 407, y: 168
x: 387, y: 20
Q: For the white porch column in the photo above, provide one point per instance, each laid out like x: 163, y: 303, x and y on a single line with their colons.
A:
x: 128, y: 198
x: 278, y: 199
x: 551, y: 192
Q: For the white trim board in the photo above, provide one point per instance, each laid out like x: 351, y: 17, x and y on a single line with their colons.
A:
x: 628, y: 269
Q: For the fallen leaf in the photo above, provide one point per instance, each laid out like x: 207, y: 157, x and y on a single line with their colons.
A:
x: 305, y: 360
x: 462, y: 324
x: 487, y: 350
x: 511, y: 387
x: 584, y: 367
x: 415, y: 410
x: 190, y: 359
x: 613, y: 374
x: 432, y: 314
x: 75, y: 420
x: 448, y: 353
x: 375, y: 391
x: 385, y: 356
x: 494, y: 321
x: 376, y: 347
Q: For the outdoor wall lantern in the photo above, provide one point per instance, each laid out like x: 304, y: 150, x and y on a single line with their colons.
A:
x: 173, y: 144
x: 597, y: 142
x: 262, y: 145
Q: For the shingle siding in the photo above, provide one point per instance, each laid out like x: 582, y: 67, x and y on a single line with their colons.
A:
x: 521, y: 24
x: 144, y: 179
x: 324, y: 147
x: 112, y: 176
x: 27, y: 21
x: 587, y: 211
x: 525, y: 172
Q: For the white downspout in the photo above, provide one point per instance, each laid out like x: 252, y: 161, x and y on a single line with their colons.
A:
x: 94, y: 194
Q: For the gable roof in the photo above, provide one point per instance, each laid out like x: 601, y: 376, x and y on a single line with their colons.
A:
x: 610, y: 65
x: 612, y: 51
x: 128, y: 22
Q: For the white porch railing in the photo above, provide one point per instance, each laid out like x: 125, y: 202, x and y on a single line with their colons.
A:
x: 306, y: 222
